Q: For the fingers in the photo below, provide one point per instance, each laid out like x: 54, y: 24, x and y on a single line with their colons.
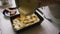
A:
x: 12, y: 12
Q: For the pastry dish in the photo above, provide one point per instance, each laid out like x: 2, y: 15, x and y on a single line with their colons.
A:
x: 20, y: 23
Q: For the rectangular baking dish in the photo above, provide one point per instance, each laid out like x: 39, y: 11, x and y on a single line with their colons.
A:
x: 29, y: 27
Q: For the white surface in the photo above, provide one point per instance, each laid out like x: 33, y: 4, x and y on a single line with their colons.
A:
x: 12, y: 3
x: 49, y: 15
x: 5, y: 24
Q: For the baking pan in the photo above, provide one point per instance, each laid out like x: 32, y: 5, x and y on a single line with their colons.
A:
x: 29, y: 27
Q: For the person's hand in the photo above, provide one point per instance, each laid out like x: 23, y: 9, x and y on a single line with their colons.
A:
x: 12, y: 12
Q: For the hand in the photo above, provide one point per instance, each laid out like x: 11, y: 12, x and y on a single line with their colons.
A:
x: 12, y: 12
